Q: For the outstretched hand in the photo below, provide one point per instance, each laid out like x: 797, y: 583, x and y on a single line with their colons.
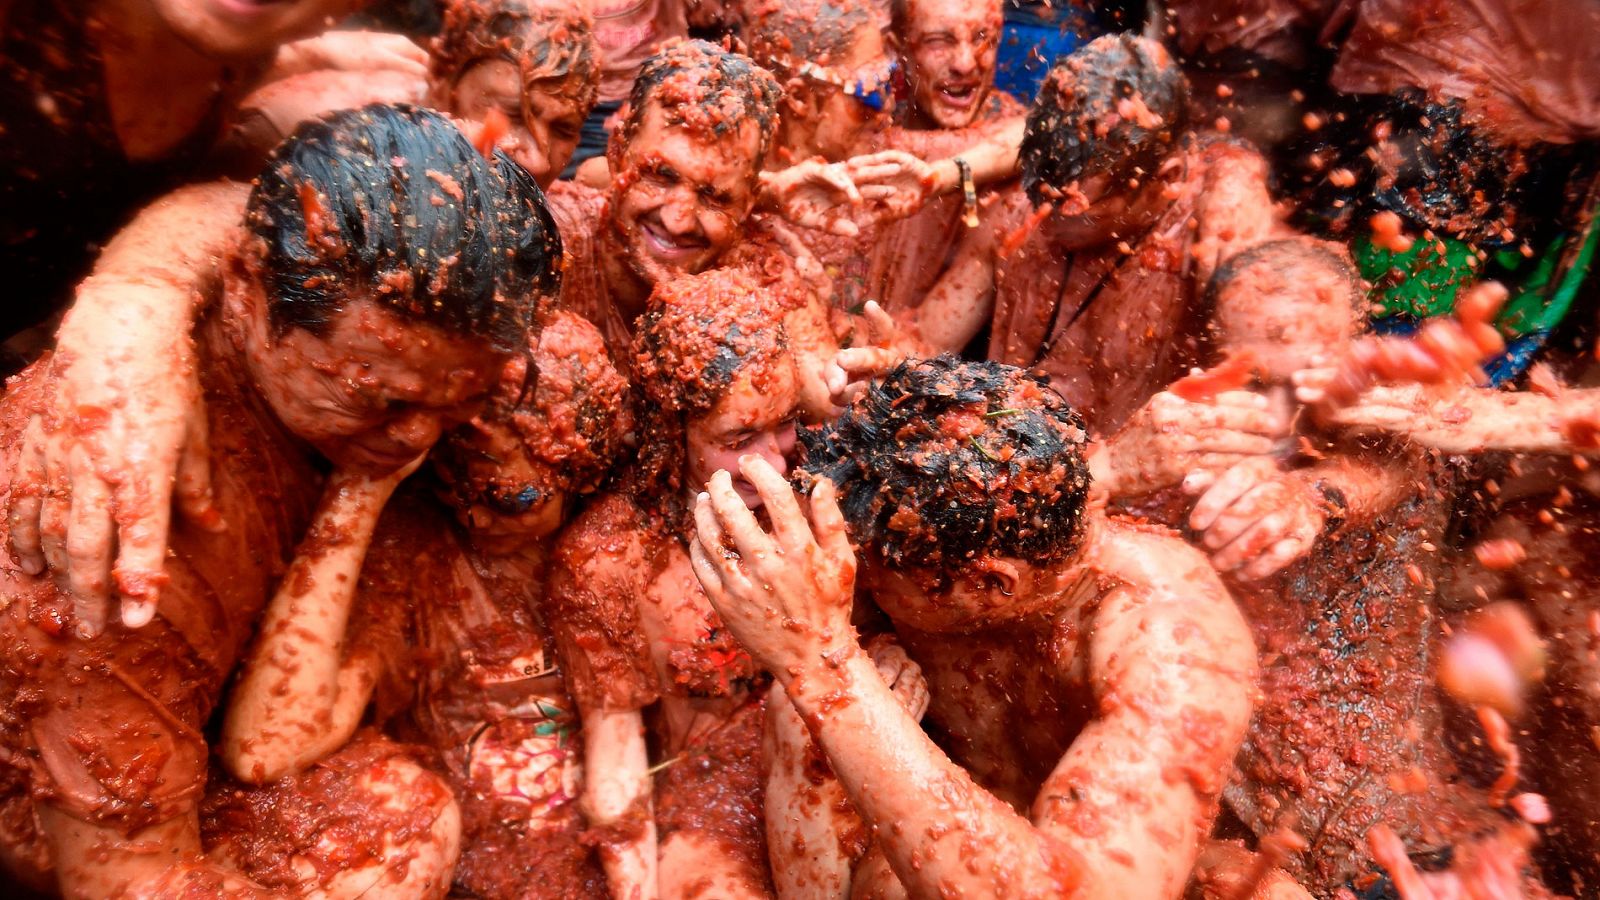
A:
x: 893, y: 184
x: 814, y: 194
x: 1257, y: 518
x: 853, y: 367
x: 92, y: 496
x: 786, y: 594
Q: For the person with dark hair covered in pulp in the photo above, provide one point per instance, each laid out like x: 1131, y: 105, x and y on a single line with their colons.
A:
x: 1094, y: 272
x: 1089, y: 680
x: 445, y: 634
x: 383, y: 274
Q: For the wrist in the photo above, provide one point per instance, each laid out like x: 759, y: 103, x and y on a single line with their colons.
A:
x: 824, y: 678
x: 946, y: 177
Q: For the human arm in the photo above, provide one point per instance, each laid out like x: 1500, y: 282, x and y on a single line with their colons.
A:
x: 597, y: 582
x: 616, y: 791
x: 350, y: 51
x: 300, y: 696
x: 1234, y: 210
x: 1257, y: 517
x: 272, y: 112
x: 1472, y: 419
x: 814, y: 836
x: 92, y: 498
x: 786, y: 596
x: 993, y: 158
x: 962, y: 302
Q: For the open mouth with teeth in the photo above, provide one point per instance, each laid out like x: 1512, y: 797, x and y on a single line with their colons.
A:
x: 959, y: 94
x: 665, y: 245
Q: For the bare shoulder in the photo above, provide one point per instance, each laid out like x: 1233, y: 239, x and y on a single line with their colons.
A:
x: 1147, y: 555
x: 1161, y: 578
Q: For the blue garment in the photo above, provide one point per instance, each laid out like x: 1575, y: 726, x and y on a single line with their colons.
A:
x: 1034, y: 36
x: 592, y: 142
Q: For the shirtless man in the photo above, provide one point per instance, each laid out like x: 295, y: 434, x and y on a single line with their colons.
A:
x: 947, y: 50
x: 1090, y: 680
x: 332, y: 338
x: 685, y: 164
x: 445, y: 635
x: 1325, y: 543
x: 1095, y: 271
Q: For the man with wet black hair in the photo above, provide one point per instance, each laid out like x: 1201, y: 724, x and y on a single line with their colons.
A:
x: 363, y: 297
x: 687, y: 160
x: 1089, y: 680
x: 1094, y: 272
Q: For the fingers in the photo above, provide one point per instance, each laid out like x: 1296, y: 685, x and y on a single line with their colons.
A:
x: 788, y: 523
x: 835, y: 177
x: 27, y: 500
x: 882, y: 324
x: 737, y: 520
x: 1227, y: 490
x: 709, y: 576
x: 1275, y: 558
x: 718, y: 568
x: 192, y: 486
x: 827, y: 523
x: 842, y: 227
x: 54, y: 516
x: 88, y: 547
x: 866, y: 360
x: 1257, y: 535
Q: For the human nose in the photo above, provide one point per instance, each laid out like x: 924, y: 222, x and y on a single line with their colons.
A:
x: 679, y: 213
x: 964, y: 60
x: 771, y: 449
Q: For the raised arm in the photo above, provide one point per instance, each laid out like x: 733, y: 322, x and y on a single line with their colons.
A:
x: 93, y: 496
x: 300, y: 696
x: 1472, y: 420
x: 1172, y: 716
x: 790, y: 608
x: 962, y: 301
x: 1173, y: 668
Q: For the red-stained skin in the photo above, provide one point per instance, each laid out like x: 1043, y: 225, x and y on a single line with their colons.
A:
x: 949, y: 53
x: 746, y: 422
x: 373, y: 392
x: 680, y: 197
x: 545, y: 120
x: 245, y: 27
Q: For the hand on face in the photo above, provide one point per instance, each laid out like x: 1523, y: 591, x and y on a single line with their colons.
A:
x: 786, y: 595
x: 1256, y: 519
